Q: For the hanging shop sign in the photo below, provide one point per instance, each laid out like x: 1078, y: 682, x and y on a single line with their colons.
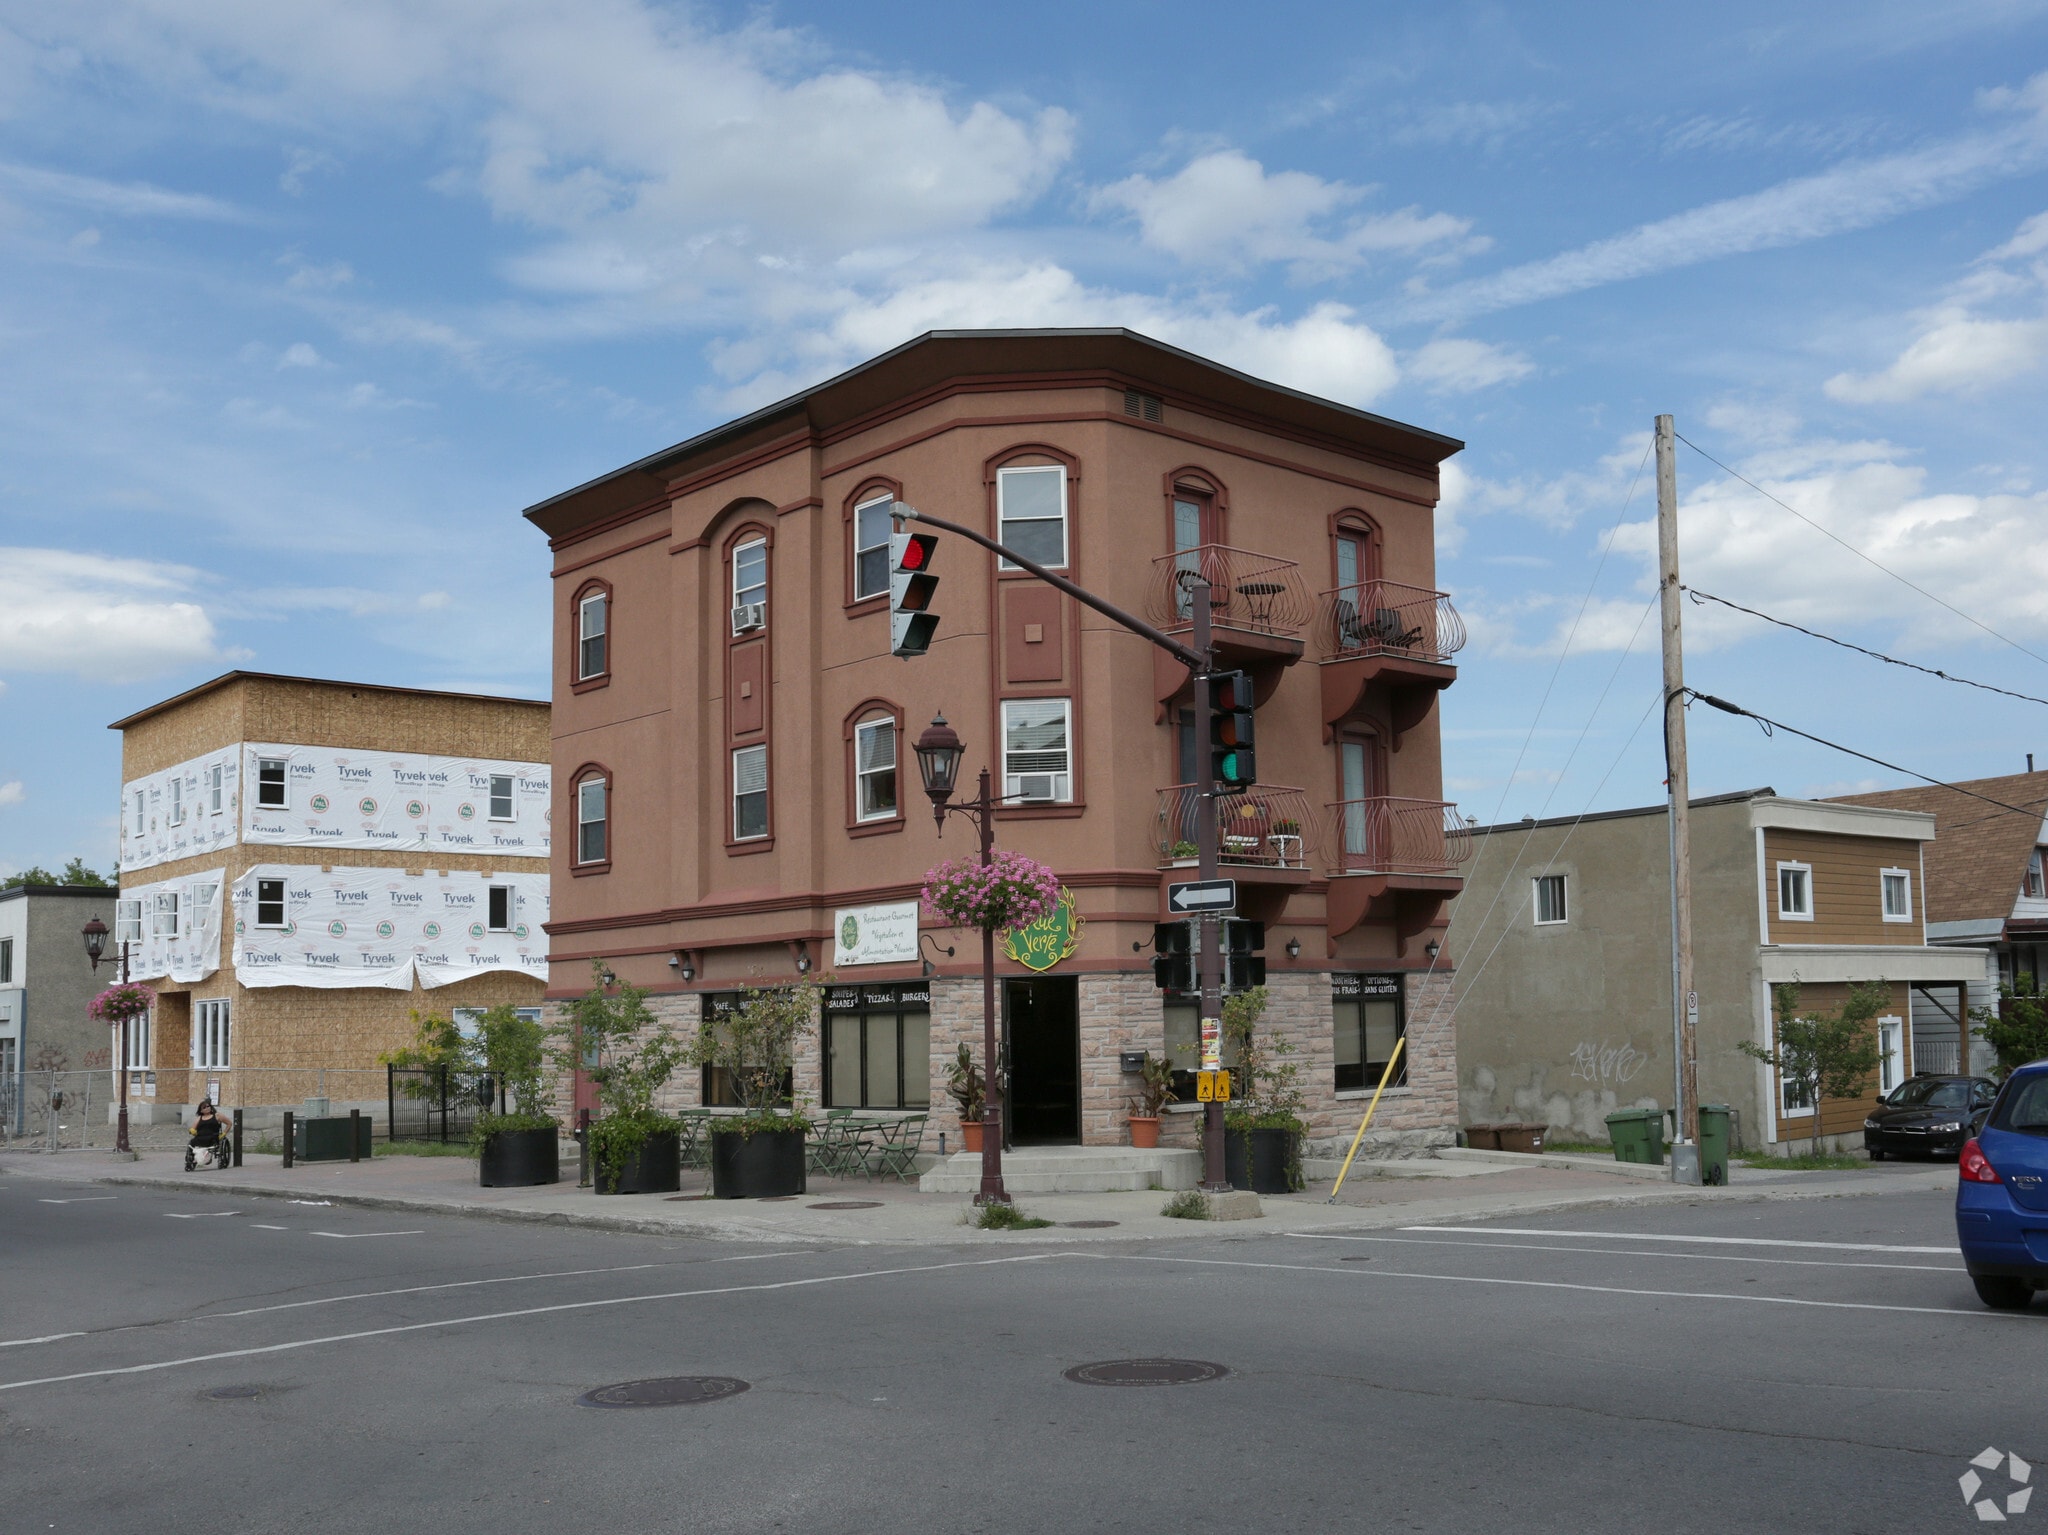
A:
x: 875, y: 935
x: 1050, y: 939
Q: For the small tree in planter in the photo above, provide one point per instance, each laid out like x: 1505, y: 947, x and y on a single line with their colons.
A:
x: 759, y: 1153
x: 629, y: 1055
x: 1263, y: 1125
x: 964, y: 1085
x: 1154, y: 1091
x: 519, y: 1147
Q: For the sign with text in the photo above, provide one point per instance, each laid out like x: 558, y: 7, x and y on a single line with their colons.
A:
x: 875, y: 935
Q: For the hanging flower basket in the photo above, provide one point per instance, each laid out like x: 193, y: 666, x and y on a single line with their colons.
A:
x: 120, y: 1004
x: 1011, y: 891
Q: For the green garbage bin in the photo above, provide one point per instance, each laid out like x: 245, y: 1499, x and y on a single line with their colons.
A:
x: 1638, y: 1135
x: 1714, y: 1144
x: 326, y: 1140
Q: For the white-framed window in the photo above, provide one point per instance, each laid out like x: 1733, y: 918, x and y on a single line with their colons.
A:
x: 1031, y: 513
x: 6, y: 961
x: 270, y: 783
x: 1038, y: 757
x: 199, y: 906
x: 128, y: 921
x: 210, y: 1031
x: 138, y: 1041
x: 141, y: 812
x: 1551, y: 908
x: 500, y: 909
x: 1896, y: 891
x: 1793, y: 1099
x: 871, y: 530
x: 1891, y: 1069
x: 749, y: 793
x: 163, y: 914
x: 874, y: 766
x: 177, y: 790
x: 270, y: 903
x: 216, y: 791
x: 750, y: 585
x: 1795, y: 892
x: 593, y: 821
x: 501, y: 797
x: 593, y: 631
x: 468, y: 1020
x: 2035, y: 883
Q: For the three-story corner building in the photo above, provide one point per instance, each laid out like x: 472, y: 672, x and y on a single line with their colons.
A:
x: 732, y: 736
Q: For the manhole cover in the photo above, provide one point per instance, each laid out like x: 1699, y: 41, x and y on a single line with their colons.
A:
x: 664, y: 1391
x: 1145, y: 1372
x: 233, y: 1393
x: 1088, y: 1225
x: 849, y: 1204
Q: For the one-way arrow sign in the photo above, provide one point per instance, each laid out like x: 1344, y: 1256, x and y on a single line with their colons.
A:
x: 1199, y: 895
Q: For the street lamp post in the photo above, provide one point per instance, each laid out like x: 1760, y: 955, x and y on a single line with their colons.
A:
x: 938, y: 764
x: 95, y: 934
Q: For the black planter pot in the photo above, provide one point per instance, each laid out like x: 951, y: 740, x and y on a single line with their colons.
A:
x: 1257, y: 1160
x: 655, y: 1167
x: 515, y: 1159
x: 764, y: 1165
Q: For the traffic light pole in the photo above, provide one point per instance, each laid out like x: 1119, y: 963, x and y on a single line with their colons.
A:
x: 1200, y: 662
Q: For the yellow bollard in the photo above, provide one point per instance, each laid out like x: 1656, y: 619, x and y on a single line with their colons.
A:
x: 1385, y: 1077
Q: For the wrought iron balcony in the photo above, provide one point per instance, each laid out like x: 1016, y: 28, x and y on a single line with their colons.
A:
x: 1265, y: 826
x: 1255, y: 592
x: 1396, y: 836
x: 1386, y: 618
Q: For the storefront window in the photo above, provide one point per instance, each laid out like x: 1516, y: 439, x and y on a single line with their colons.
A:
x: 1369, y: 1018
x: 878, y: 1047
x: 718, y: 1090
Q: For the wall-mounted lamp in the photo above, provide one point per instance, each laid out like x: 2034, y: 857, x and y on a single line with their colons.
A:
x: 609, y: 978
x: 803, y: 957
x: 1431, y: 949
x: 685, y: 963
x: 922, y: 940
x: 1294, y: 948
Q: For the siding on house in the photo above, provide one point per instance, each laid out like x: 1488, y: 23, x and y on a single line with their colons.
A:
x: 1840, y: 1116
x: 1847, y: 896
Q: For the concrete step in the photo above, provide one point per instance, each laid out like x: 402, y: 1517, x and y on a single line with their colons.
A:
x: 1070, y: 1170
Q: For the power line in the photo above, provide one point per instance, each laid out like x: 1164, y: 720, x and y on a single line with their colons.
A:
x: 1876, y: 655
x: 1771, y: 725
x: 1923, y: 591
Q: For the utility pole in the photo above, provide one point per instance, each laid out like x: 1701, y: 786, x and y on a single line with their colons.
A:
x: 1685, y: 1006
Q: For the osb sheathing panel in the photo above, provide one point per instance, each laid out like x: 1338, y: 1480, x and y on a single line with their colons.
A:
x: 178, y: 735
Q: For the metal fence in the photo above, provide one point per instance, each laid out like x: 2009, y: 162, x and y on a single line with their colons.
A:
x: 436, y: 1103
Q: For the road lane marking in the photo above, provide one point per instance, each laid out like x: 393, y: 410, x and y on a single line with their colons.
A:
x: 46, y: 1338
x: 1554, y: 1284
x: 421, y: 1289
x: 345, y: 1236
x: 1627, y: 1252
x: 197, y: 1215
x: 82, y: 1199
x: 503, y: 1316
x: 259, y: 1226
x: 1654, y: 1236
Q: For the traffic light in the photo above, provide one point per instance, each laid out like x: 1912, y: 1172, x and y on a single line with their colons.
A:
x: 1173, y: 964
x: 1233, y: 762
x: 1244, y: 965
x: 911, y: 585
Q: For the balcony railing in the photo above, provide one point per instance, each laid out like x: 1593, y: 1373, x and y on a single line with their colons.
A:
x: 1267, y: 826
x: 1397, y: 836
x: 1386, y: 618
x: 1246, y: 590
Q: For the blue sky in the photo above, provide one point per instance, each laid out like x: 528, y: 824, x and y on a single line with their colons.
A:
x: 300, y: 304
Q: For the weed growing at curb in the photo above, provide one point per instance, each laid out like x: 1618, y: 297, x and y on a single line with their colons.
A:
x: 1008, y: 1218
x: 1188, y: 1205
x: 1807, y: 1163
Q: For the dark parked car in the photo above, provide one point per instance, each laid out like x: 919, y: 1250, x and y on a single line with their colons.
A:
x: 2002, y: 1194
x: 1927, y: 1116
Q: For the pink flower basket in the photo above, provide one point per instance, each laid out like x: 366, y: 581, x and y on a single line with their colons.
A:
x: 1011, y: 891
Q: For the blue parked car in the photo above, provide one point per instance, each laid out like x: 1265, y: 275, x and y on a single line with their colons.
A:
x: 2002, y: 1194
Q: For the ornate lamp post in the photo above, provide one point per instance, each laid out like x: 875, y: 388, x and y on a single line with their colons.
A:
x: 938, y: 764
x: 95, y: 935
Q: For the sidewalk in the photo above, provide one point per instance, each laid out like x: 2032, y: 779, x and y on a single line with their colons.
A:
x: 1377, y: 1196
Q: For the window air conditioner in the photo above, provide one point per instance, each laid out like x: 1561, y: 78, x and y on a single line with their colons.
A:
x: 749, y: 615
x: 1035, y: 786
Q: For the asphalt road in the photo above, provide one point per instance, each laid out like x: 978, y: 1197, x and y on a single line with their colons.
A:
x: 1579, y: 1372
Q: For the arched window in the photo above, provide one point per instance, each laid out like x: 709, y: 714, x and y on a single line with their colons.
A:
x: 874, y: 768
x: 869, y: 528
x: 593, y: 817
x: 592, y: 634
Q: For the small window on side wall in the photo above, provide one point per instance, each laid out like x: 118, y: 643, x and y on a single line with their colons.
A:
x: 593, y: 636
x: 2035, y: 884
x: 871, y: 530
x: 874, y: 764
x: 270, y: 903
x: 1551, y: 905
x: 749, y: 793
x: 593, y: 820
x: 270, y: 791
x: 750, y: 585
x: 1795, y: 892
x: 501, y: 797
x: 1031, y: 514
x: 1896, y: 887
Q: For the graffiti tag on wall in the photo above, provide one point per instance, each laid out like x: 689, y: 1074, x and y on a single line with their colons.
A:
x: 1605, y: 1063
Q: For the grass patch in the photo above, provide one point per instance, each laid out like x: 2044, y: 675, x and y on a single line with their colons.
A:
x: 459, y: 1148
x: 1827, y: 1161
x: 1008, y: 1218
x: 1188, y: 1205
x: 1578, y: 1148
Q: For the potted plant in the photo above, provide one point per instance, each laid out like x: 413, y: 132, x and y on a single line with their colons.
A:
x: 967, y: 1090
x: 759, y: 1153
x: 1155, y: 1089
x: 521, y: 1146
x: 1263, y: 1125
x: 1184, y: 850
x: 634, y: 1148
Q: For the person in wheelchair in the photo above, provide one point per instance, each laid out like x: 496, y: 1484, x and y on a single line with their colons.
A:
x: 208, y: 1145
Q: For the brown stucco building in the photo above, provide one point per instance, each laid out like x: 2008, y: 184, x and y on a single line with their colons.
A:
x: 731, y: 733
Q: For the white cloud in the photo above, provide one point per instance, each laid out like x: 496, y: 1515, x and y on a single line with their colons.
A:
x: 134, y: 199
x: 1457, y: 364
x: 99, y: 617
x: 300, y: 354
x: 1225, y: 209
x: 1852, y: 196
x: 12, y: 793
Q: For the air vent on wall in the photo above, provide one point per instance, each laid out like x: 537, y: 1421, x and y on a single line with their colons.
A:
x: 1144, y: 406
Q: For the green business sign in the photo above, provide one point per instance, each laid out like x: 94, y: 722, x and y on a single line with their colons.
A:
x: 1048, y: 940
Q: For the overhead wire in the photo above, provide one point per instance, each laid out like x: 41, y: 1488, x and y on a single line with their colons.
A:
x: 1868, y: 559
x: 1876, y: 655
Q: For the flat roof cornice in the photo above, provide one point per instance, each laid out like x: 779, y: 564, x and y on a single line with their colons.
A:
x: 225, y: 678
